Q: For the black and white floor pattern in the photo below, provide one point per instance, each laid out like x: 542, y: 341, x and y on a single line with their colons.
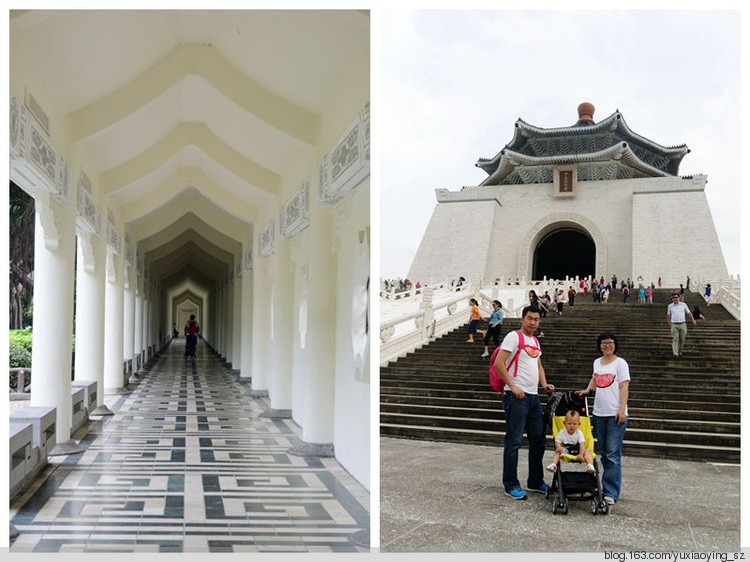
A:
x: 187, y: 465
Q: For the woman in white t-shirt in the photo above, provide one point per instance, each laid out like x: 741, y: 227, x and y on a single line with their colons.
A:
x: 611, y: 379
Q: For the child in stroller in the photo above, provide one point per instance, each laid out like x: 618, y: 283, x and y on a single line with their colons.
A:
x: 571, y: 485
x: 571, y: 441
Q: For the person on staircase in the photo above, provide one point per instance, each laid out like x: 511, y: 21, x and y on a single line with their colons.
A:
x: 707, y: 294
x: 474, y: 318
x: 535, y: 303
x: 677, y: 311
x: 191, y: 336
x: 571, y: 296
x: 496, y: 324
x: 520, y: 355
x: 611, y: 379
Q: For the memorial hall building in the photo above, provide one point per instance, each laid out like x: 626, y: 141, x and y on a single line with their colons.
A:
x: 591, y: 199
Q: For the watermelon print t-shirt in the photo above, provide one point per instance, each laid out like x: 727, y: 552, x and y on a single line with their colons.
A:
x: 608, y: 379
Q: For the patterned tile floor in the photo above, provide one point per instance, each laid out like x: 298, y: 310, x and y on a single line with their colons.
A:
x: 187, y: 465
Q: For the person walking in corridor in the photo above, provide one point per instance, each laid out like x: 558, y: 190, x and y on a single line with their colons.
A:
x: 611, y: 379
x: 677, y: 311
x: 191, y: 336
x: 519, y: 364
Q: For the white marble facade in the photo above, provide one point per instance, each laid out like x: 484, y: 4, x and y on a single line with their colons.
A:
x: 649, y: 227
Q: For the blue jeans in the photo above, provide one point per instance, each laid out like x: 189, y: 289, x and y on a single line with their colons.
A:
x: 610, y: 436
x: 523, y: 415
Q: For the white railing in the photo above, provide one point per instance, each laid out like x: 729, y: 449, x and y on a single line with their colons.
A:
x: 415, y: 329
x: 725, y: 292
x: 439, y: 313
x: 393, y: 294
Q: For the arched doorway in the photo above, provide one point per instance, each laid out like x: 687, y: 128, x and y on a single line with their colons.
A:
x: 564, y: 252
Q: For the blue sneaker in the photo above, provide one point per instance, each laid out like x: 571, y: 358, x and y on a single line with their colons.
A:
x: 542, y: 488
x: 516, y: 494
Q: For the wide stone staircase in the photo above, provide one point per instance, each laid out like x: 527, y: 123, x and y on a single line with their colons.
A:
x: 686, y: 408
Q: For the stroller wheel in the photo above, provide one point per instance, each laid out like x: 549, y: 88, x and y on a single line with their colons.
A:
x: 593, y: 507
x: 605, y: 508
x: 554, y: 508
x: 565, y: 506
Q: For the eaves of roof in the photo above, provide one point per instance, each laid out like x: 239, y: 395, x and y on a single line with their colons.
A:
x: 614, y: 123
x: 621, y: 151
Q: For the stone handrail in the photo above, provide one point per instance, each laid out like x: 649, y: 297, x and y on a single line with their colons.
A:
x: 429, y: 322
x: 725, y: 292
x: 393, y: 295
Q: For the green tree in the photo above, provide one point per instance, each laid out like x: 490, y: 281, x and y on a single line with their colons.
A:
x: 21, y: 284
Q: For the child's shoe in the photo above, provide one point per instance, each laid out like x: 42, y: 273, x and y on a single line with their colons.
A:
x: 552, y: 467
x: 590, y: 469
x: 485, y: 354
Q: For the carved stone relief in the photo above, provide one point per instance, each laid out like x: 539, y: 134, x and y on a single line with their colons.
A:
x: 347, y: 164
x: 35, y: 164
x: 267, y: 242
x: 295, y: 215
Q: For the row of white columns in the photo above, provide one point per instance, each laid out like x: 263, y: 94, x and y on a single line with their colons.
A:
x: 299, y: 299
x: 112, y: 323
x: 118, y: 318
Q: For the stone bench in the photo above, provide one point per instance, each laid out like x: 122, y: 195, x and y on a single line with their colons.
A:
x: 89, y: 394
x: 43, y: 420
x: 79, y: 414
x: 21, y: 436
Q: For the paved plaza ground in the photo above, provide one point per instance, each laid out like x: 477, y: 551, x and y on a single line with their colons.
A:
x: 447, y: 497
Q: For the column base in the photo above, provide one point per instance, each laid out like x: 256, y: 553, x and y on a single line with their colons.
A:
x: 312, y: 450
x: 246, y: 380
x: 70, y: 447
x: 258, y: 394
x: 134, y: 379
x: 13, y: 532
x: 362, y: 538
x: 102, y: 411
x: 235, y: 371
x: 277, y: 414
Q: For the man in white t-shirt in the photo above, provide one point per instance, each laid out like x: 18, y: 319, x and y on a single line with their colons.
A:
x: 523, y: 409
x: 677, y: 311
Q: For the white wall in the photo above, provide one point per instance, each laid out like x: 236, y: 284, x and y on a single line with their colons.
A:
x: 352, y: 400
x: 640, y: 227
x: 674, y: 235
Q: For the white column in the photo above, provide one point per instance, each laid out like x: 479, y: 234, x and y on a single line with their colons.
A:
x: 89, y: 357
x: 128, y: 319
x: 113, y: 325
x: 320, y: 345
x: 138, y: 339
x: 280, y: 388
x: 261, y: 326
x: 219, y: 320
x: 152, y: 313
x: 247, y: 334
x: 146, y: 307
x: 237, y: 323
x: 54, y: 254
x: 229, y: 307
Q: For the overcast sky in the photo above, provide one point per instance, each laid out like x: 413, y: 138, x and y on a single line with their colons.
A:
x: 454, y: 83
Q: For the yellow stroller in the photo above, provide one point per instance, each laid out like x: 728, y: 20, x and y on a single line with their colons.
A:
x: 572, y: 485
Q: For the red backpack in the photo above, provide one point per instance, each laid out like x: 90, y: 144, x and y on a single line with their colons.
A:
x: 192, y: 327
x: 496, y: 381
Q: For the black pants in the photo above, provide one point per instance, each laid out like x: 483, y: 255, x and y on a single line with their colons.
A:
x: 495, y: 333
x: 190, y: 342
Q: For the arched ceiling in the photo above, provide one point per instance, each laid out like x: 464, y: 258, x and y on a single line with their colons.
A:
x: 188, y: 121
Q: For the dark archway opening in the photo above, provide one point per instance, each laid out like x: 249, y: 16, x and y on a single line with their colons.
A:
x: 565, y: 252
